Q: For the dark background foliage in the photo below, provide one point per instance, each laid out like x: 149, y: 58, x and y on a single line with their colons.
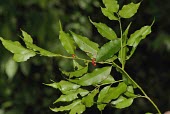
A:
x: 21, y: 84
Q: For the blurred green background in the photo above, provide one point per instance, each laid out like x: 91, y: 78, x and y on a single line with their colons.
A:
x: 21, y: 84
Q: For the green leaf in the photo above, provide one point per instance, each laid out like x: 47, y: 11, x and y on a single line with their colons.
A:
x: 136, y: 37
x: 41, y: 51
x: 78, y: 109
x: 108, y: 80
x: 66, y: 41
x: 111, y: 5
x: 27, y: 37
x: 68, y: 107
x: 77, y: 73
x: 105, y: 31
x: 122, y: 102
x: 115, y: 92
x: 71, y: 95
x: 130, y: 92
x: 97, y: 76
x: 11, y: 68
x: 109, y: 14
x: 108, y: 50
x: 123, y: 54
x: 88, y: 100
x: 86, y: 45
x: 101, y: 97
x: 129, y: 10
x: 20, y: 53
x: 64, y: 86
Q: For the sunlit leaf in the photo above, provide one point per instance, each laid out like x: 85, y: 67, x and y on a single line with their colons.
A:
x: 97, y: 76
x: 71, y: 95
x: 88, y: 100
x: 108, y: 50
x: 20, y: 53
x: 27, y: 37
x: 78, y: 109
x: 64, y: 85
x: 108, y: 14
x: 111, y: 5
x: 68, y: 107
x: 66, y: 41
x: 138, y: 35
x: 101, y: 97
x: 86, y: 45
x: 129, y: 10
x: 105, y: 31
x: 122, y: 102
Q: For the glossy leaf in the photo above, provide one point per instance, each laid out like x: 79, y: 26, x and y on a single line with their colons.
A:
x: 108, y: 80
x: 86, y: 45
x: 115, y: 92
x: 97, y: 76
x: 71, y: 95
x: 105, y: 31
x: 111, y: 5
x: 76, y: 73
x: 122, y: 102
x: 68, y: 107
x: 20, y: 53
x: 64, y: 85
x: 101, y: 97
x: 66, y: 41
x: 78, y: 109
x: 88, y: 100
x: 129, y: 10
x: 27, y: 37
x: 138, y: 35
x: 109, y: 14
x: 108, y: 50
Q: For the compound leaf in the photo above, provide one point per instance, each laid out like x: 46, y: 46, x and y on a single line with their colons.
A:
x: 129, y: 10
x: 86, y: 45
x: 108, y: 80
x: 105, y: 31
x: 108, y: 50
x: 20, y: 53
